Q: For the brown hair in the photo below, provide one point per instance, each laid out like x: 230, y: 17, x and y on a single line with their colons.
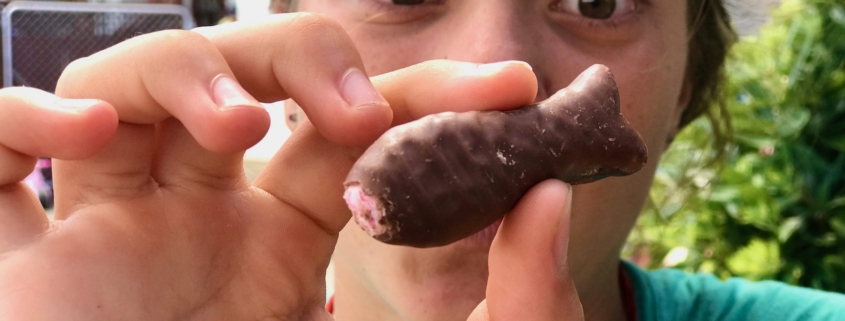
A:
x: 711, y: 36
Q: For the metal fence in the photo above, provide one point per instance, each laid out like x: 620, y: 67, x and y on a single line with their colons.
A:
x: 44, y: 41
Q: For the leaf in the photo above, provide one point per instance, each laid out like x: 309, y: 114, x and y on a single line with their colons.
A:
x: 755, y: 141
x: 838, y: 16
x: 837, y: 143
x: 834, y: 175
x: 758, y: 260
x: 724, y: 194
x: 835, y: 204
x: 793, y: 121
x: 838, y: 226
x: 833, y: 265
x: 788, y: 227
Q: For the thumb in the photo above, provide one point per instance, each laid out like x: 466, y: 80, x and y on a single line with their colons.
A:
x: 529, y: 273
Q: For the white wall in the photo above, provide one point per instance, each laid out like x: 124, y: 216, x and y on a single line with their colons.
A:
x: 251, y: 9
x: 267, y: 147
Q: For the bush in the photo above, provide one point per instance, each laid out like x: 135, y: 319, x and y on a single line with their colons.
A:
x: 774, y: 208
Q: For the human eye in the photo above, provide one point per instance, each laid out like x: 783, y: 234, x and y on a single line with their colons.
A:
x: 403, y: 5
x: 398, y: 11
x: 602, y: 12
x: 407, y: 2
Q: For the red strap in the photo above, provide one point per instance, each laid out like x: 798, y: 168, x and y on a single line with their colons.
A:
x: 629, y: 302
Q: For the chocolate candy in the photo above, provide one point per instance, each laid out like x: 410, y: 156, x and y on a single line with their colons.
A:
x: 446, y: 176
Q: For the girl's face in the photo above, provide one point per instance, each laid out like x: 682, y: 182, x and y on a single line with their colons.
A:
x: 644, y: 42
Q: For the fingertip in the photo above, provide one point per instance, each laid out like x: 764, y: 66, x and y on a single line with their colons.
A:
x: 357, y: 117
x: 527, y: 279
x: 222, y: 118
x: 231, y: 130
x: 515, y: 77
x: 93, y: 128
x: 354, y: 126
x: 42, y: 125
x: 480, y: 313
x: 442, y: 85
x: 79, y: 129
x: 546, y: 202
x: 537, y: 230
x: 496, y: 86
x: 369, y: 123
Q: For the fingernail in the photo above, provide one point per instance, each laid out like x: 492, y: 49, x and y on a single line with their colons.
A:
x: 227, y: 93
x: 498, y: 66
x: 358, y: 91
x: 564, y: 227
x: 76, y: 104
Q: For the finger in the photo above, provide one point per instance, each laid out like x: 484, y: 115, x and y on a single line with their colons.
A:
x: 315, y: 63
x: 309, y: 170
x: 35, y: 123
x: 529, y: 276
x: 460, y: 86
x: 480, y: 313
x: 21, y: 218
x: 149, y: 79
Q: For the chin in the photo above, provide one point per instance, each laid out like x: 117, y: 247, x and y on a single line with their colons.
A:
x: 450, y: 290
x: 480, y: 241
x: 450, y: 280
x: 421, y: 284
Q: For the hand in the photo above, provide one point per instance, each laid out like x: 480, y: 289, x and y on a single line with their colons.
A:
x: 154, y: 217
x: 529, y: 273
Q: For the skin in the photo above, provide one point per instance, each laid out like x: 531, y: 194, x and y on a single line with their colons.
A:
x: 647, y: 50
x: 156, y: 221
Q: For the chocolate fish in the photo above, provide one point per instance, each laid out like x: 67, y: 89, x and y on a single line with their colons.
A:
x: 446, y: 176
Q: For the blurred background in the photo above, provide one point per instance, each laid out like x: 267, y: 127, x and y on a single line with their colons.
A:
x: 768, y: 201
x: 765, y: 201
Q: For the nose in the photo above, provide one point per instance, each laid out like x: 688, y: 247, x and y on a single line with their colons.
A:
x: 496, y: 30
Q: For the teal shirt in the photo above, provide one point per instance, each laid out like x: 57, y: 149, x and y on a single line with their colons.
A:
x: 669, y: 295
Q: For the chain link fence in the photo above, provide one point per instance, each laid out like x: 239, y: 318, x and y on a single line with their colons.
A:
x: 44, y: 42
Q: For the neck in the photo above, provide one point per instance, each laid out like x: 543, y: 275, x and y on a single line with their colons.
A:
x: 601, y: 297
x: 354, y: 301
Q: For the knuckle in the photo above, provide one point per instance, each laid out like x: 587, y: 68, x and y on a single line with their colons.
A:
x: 316, y: 28
x: 181, y: 45
x: 12, y: 96
x: 73, y: 70
x: 159, y: 50
x: 312, y: 22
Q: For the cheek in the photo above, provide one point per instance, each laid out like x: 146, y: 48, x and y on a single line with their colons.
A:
x: 651, y: 106
x: 382, y: 49
x: 651, y: 86
x: 650, y: 80
x: 400, y: 51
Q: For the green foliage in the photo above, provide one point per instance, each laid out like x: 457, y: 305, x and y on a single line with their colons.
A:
x: 775, y: 209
